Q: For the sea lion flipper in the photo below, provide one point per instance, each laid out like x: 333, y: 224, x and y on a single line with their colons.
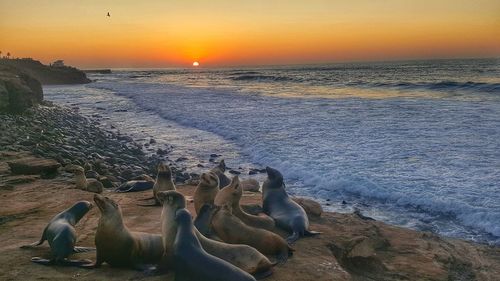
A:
x: 83, y: 249
x: 75, y: 262
x: 34, y: 244
x: 264, y: 274
x: 292, y: 238
x: 155, y: 204
x: 311, y: 232
x: 204, y: 219
x: 42, y: 261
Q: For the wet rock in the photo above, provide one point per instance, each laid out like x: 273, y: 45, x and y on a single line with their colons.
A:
x: 200, y: 166
x: 234, y: 172
x: 180, y: 159
x: 213, y: 155
x: 106, y: 182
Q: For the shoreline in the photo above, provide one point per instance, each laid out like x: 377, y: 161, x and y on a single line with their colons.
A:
x: 352, y: 246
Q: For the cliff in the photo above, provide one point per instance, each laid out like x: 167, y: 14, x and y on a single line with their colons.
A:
x: 18, y: 90
x: 48, y: 75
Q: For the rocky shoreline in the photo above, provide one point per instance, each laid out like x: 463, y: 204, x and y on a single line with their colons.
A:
x: 58, y: 133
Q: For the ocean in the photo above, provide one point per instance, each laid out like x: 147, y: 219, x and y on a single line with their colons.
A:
x: 415, y: 144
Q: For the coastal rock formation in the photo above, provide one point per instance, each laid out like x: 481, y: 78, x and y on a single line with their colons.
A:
x: 18, y: 90
x: 47, y: 75
x: 32, y: 166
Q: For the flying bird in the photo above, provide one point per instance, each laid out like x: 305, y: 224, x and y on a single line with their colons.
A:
x: 109, y: 15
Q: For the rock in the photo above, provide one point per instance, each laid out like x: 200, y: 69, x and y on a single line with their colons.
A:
x: 47, y: 75
x: 92, y: 174
x: 200, y: 166
x: 18, y: 90
x: 94, y: 185
x: 180, y: 159
x: 32, y: 166
x: 106, y: 182
x: 213, y: 155
x: 311, y: 207
x: 250, y: 185
x: 234, y: 172
x: 253, y: 172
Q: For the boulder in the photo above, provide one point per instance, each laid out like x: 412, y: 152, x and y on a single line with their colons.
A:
x: 33, y: 166
x: 311, y: 207
x: 250, y: 185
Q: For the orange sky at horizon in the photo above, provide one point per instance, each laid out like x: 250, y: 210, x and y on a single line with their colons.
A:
x: 224, y: 33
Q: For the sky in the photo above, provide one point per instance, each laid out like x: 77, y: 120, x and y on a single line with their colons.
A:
x: 175, y: 33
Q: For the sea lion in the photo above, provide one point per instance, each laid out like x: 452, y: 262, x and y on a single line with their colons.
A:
x: 164, y: 182
x: 192, y: 262
x: 231, y: 195
x: 61, y: 235
x: 120, y: 247
x: 83, y: 183
x: 135, y: 186
x: 232, y: 230
x: 287, y: 214
x: 206, y: 190
x: 241, y: 256
x: 219, y: 171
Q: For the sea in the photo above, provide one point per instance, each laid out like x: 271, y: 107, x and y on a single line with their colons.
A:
x: 411, y: 143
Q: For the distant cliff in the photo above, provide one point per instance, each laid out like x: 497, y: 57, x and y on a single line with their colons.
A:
x: 48, y: 75
x: 18, y: 90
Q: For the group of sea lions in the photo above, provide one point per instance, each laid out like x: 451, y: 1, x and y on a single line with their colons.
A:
x: 222, y: 243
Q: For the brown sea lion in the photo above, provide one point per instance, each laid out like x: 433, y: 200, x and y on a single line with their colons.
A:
x: 83, y: 183
x: 61, y: 235
x: 242, y: 256
x: 232, y: 230
x: 192, y: 262
x: 231, y: 194
x: 206, y: 190
x: 219, y: 170
x: 164, y: 182
x: 120, y: 247
x: 287, y: 214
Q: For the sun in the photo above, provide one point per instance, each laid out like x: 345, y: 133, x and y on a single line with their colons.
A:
x: 196, y: 63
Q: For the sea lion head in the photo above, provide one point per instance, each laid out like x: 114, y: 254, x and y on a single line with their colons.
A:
x: 209, y: 179
x: 79, y: 209
x: 230, y: 194
x: 183, y: 217
x: 77, y: 170
x: 164, y: 171
x: 172, y: 198
x: 274, y: 179
x: 108, y: 206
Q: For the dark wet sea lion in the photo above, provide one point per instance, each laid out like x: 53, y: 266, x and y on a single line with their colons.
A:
x: 232, y: 230
x: 135, y: 186
x: 287, y: 214
x: 61, y: 235
x: 231, y: 194
x: 120, y: 247
x: 219, y: 170
x: 192, y: 262
x: 241, y: 256
x: 206, y: 190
